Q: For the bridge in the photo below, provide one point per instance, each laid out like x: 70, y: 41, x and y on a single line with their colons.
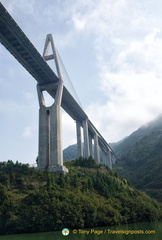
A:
x: 50, y: 138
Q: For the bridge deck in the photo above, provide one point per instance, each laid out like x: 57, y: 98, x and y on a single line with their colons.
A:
x: 13, y: 38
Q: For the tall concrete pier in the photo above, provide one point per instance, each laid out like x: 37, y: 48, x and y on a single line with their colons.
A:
x: 79, y: 139
x: 50, y: 125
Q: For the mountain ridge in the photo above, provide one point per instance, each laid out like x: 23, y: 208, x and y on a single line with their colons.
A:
x: 122, y: 146
x: 141, y: 160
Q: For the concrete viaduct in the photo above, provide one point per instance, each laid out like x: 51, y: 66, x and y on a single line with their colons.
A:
x: 50, y: 138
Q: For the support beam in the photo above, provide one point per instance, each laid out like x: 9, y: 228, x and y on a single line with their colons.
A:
x: 79, y: 140
x: 86, y: 152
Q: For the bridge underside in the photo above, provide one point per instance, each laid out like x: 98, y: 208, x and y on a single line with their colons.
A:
x: 17, y: 43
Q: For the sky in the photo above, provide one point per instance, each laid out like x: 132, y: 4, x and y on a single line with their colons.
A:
x: 112, y: 51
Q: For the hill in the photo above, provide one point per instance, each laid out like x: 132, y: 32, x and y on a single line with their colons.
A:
x: 124, y: 145
x: 91, y: 195
x: 141, y: 158
x: 70, y: 153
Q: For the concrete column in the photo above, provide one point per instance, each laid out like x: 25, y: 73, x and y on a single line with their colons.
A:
x: 109, y: 159
x: 96, y: 149
x: 79, y: 140
x: 91, y: 146
x: 43, y: 148
x: 56, y: 155
x: 104, y: 158
x: 86, y: 152
x: 44, y: 138
x: 113, y: 158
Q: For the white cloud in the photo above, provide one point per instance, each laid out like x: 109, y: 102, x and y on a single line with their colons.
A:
x: 141, y: 55
x: 79, y: 24
x: 132, y: 99
x: 27, y: 132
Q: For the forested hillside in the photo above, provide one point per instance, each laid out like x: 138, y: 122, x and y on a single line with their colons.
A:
x: 141, y: 164
x: 90, y: 195
x: 70, y: 153
x: 124, y: 145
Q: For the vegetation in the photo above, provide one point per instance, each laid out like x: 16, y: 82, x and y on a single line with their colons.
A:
x: 122, y: 147
x: 90, y: 195
x: 142, y: 165
x: 70, y: 153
